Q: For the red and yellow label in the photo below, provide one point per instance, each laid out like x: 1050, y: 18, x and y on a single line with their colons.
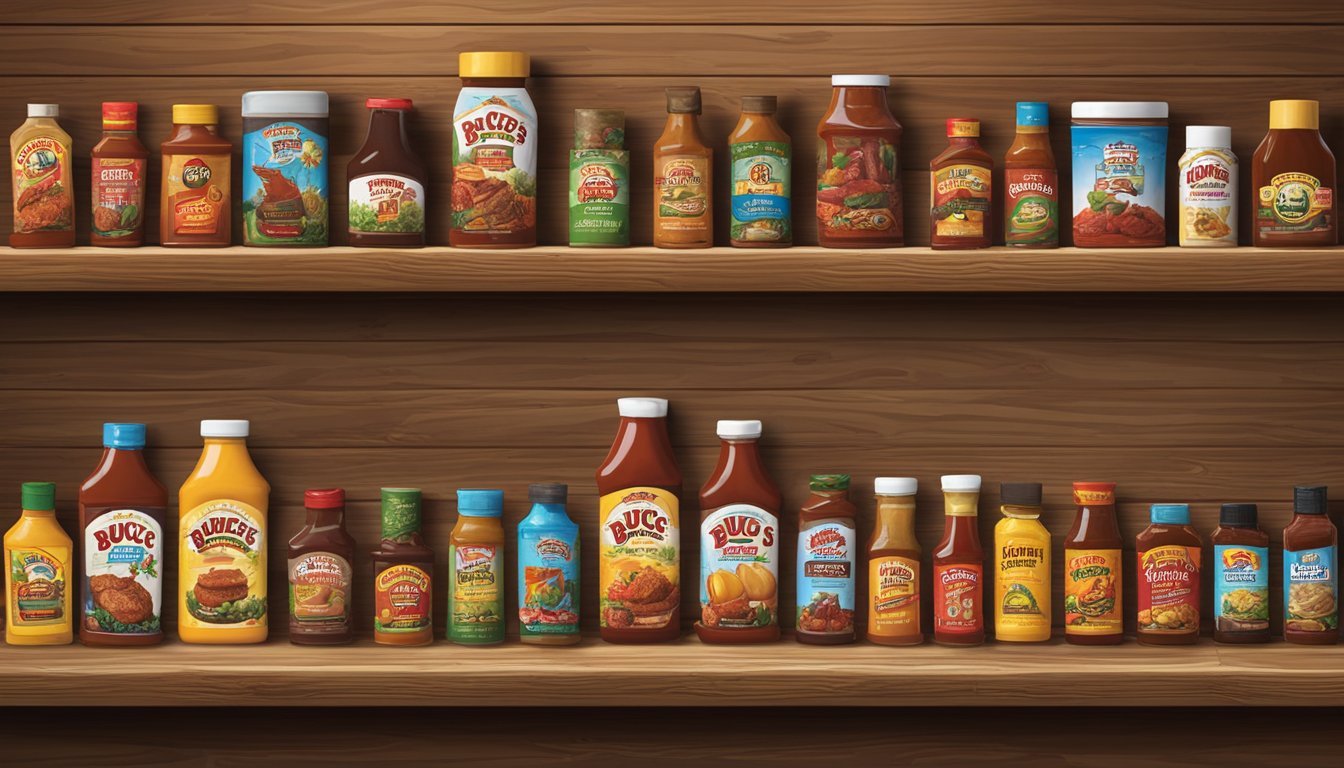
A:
x: 1092, y: 590
x: 961, y: 201
x: 893, y: 596
x: 222, y: 566
x: 1093, y: 497
x: 958, y: 598
x: 196, y: 189
x: 639, y: 551
x: 402, y: 599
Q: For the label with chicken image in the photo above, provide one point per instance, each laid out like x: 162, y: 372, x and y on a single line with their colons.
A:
x: 319, y: 593
x: 223, y: 572
x: 826, y: 579
x: 494, y: 161
x: 639, y: 552
x: 123, y: 583
x: 1169, y: 589
x: 739, y: 568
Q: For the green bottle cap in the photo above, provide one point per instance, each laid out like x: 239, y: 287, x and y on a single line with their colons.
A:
x: 401, y: 513
x: 829, y: 483
x: 39, y: 497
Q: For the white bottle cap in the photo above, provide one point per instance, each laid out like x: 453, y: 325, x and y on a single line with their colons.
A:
x: 1120, y: 110
x: 1213, y: 136
x: 225, y: 427
x: 895, y: 486
x: 729, y: 429
x: 285, y: 104
x: 880, y: 81
x: 642, y: 407
x: 44, y: 110
x: 961, y: 482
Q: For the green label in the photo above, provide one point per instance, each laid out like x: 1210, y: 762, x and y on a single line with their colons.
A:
x: 761, y: 188
x: 599, y: 197
x: 476, y: 594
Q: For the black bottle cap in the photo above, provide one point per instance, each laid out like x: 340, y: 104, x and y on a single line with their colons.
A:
x: 1239, y: 515
x: 1020, y: 494
x: 1309, y: 500
x: 547, y: 493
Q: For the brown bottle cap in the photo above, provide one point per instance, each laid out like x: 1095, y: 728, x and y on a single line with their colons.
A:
x: 1020, y: 494
x: 683, y: 99
x: 763, y: 105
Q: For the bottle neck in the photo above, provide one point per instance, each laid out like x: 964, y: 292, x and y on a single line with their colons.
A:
x: 682, y: 122
x: 540, y: 508
x: 861, y: 96
x: 960, y: 503
x: 739, y: 457
x: 963, y: 141
x: 897, y: 513
x: 320, y: 519
x: 123, y: 460
x: 388, y: 124
x: 1020, y: 512
x: 222, y: 450
x: 39, y: 514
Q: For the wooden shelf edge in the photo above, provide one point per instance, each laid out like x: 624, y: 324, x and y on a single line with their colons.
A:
x: 559, y: 269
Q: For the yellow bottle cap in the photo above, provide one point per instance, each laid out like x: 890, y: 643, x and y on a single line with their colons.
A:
x: 493, y: 64
x: 1288, y: 114
x: 195, y: 114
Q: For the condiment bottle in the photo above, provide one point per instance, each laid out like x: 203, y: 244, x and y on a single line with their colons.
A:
x: 859, y: 195
x: 683, y: 172
x: 1240, y: 576
x: 893, y: 565
x: 958, y: 567
x: 826, y: 563
x: 1293, y: 175
x: 1310, y: 581
x: 38, y: 560
x: 43, y: 174
x: 285, y: 191
x: 122, y: 509
x: 222, y: 553
x: 1168, y: 577
x: 599, y: 180
x: 119, y: 165
x: 639, y: 538
x: 1021, y: 567
x: 403, y: 573
x: 1031, y: 181
x: 387, y: 181
x: 962, y: 189
x: 739, y: 542
x: 761, y: 155
x: 494, y: 197
x: 1119, y: 174
x: 195, y: 193
x: 476, y: 569
x: 548, y: 569
x: 1093, y: 574
x: 1208, y: 188
x: 321, y: 572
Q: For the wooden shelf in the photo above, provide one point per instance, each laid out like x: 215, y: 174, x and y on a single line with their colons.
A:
x: 569, y: 270
x: 683, y: 673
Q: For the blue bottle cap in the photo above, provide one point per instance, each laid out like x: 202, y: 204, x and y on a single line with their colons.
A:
x: 1033, y: 113
x: 474, y: 502
x: 1171, y: 514
x: 125, y: 436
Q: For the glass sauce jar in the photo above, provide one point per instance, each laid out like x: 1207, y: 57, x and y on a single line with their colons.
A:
x: 859, y: 194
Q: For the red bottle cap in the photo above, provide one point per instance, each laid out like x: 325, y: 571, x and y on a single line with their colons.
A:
x: 388, y: 103
x: 962, y: 127
x: 324, y: 498
x: 119, y: 115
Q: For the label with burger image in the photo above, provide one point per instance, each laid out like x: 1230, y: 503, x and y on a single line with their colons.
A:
x: 224, y: 565
x: 640, y: 554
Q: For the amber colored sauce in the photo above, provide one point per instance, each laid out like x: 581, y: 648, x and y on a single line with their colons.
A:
x: 964, y: 151
x: 118, y: 145
x: 894, y: 536
x: 1249, y: 537
x: 1293, y: 150
x: 1310, y: 532
x: 1159, y: 535
x: 861, y: 114
x: 681, y: 139
x: 1095, y: 528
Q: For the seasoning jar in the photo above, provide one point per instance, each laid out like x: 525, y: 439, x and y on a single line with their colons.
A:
x: 1119, y: 174
x: 761, y: 155
x: 1208, y: 188
x: 962, y: 189
x: 1293, y: 174
x: 119, y: 164
x: 195, y: 192
x: 285, y: 191
x: 599, y: 180
x: 387, y: 182
x: 1240, y: 576
x: 859, y: 196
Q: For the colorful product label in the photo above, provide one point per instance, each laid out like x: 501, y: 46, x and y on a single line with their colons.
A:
x: 1241, y: 588
x: 1208, y: 185
x: 739, y: 568
x: 123, y: 562
x: 1032, y: 213
x: 37, y: 578
x: 494, y: 161
x: 1169, y: 589
x: 284, y: 185
x: 826, y: 573
x: 1021, y: 585
x: 1119, y: 185
x: 222, y: 572
x: 1311, y: 587
x: 681, y: 194
x: 197, y: 190
x: 858, y: 188
x: 386, y: 202
x: 403, y: 599
x: 761, y: 208
x: 893, y: 593
x: 548, y: 583
x: 319, y: 593
x: 43, y: 197
x: 118, y: 195
x: 1294, y: 202
x: 599, y: 197
x: 639, y: 552
x: 476, y: 594
x: 962, y: 196
x: 1092, y: 590
x: 958, y: 598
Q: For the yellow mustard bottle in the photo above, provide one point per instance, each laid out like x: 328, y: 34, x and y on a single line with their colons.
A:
x: 37, y: 572
x: 1021, y: 567
x: 222, y: 557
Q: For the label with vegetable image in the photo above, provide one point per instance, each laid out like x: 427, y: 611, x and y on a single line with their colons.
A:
x: 958, y: 598
x: 402, y: 599
x: 739, y: 568
x: 858, y: 189
x: 1168, y: 584
x: 1311, y: 586
x: 1294, y: 202
x: 1032, y: 206
x: 284, y: 185
x: 1241, y: 588
x: 639, y: 556
x: 386, y: 202
x: 761, y: 208
x: 38, y: 583
x: 1092, y: 587
x: 475, y: 594
x: 494, y: 161
x: 118, y: 195
x: 826, y: 571
x: 223, y: 566
x: 319, y: 594
x: 123, y: 587
x: 961, y: 201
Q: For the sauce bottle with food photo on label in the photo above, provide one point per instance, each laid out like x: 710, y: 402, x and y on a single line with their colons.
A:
x: 119, y: 167
x: 42, y: 167
x: 894, y: 565
x: 321, y: 572
x: 958, y: 567
x: 476, y: 569
x: 827, y: 563
x: 195, y: 193
x: 1021, y: 567
x: 860, y: 200
x: 962, y: 181
x: 1310, y: 571
x: 548, y: 569
x: 39, y: 558
x: 403, y: 573
x: 1168, y: 577
x: 683, y: 173
x: 1208, y: 188
x: 1093, y: 574
x: 761, y: 155
x: 1293, y: 180
x: 122, y: 509
x: 1031, y: 181
x: 386, y: 182
x: 1240, y: 576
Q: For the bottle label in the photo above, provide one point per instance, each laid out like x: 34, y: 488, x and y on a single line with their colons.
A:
x: 1312, y: 586
x: 118, y: 195
x: 739, y: 568
x: 1169, y: 589
x: 475, y: 594
x: 402, y: 599
x: 1208, y: 197
x: 123, y: 562
x: 43, y: 198
x: 1294, y: 202
x: 599, y: 197
x: 858, y: 189
x: 1032, y: 206
x: 760, y: 200
x: 223, y: 566
x: 893, y: 590
x: 37, y: 579
x: 1021, y: 586
x: 548, y: 584
x: 826, y: 565
x: 197, y: 189
x: 1119, y: 185
x: 681, y: 193
x: 639, y: 555
x: 386, y: 202
x: 1092, y: 584
x: 285, y: 185
x: 1241, y: 588
x: 961, y: 201
x: 319, y: 594
x: 958, y: 598
x: 494, y: 161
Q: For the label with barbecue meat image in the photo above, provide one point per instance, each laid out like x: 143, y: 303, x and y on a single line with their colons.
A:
x: 1119, y: 185
x: 640, y: 558
x: 38, y: 581
x: 739, y: 568
x: 826, y: 565
x: 224, y: 565
x: 494, y: 162
x: 118, y: 195
x: 285, y: 185
x: 123, y: 558
x: 319, y: 592
x: 858, y: 190
x: 43, y: 198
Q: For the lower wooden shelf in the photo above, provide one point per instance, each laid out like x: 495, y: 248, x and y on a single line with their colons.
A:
x: 685, y: 673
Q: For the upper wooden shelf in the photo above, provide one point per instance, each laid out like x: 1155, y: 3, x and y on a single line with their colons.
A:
x: 560, y: 269
x: 680, y: 674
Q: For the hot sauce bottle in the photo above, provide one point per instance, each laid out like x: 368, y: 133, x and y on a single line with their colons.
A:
x: 963, y: 186
x: 119, y: 161
x: 1031, y: 185
x: 958, y: 567
x: 403, y: 574
x: 893, y: 565
x: 42, y: 173
x: 683, y: 167
x: 1310, y: 578
x: 761, y: 154
x: 320, y: 572
x: 1240, y: 576
x: 1093, y: 576
x: 826, y: 563
x: 1168, y: 577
